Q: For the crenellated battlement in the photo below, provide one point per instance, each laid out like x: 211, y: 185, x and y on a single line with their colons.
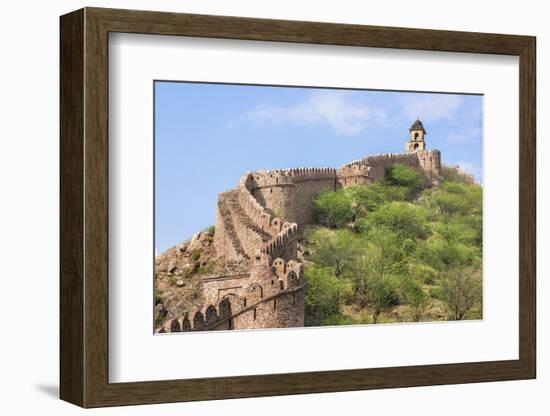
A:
x: 260, y: 221
x: 258, y: 213
x: 354, y: 174
x: 427, y: 160
x: 280, y: 245
x: 288, y: 177
x: 275, y: 295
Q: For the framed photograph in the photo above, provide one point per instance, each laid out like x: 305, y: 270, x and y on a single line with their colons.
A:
x: 255, y: 207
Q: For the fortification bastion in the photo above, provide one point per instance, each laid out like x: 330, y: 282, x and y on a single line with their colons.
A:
x: 257, y: 234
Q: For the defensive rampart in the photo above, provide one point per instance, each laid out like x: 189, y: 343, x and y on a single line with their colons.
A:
x: 259, y: 221
x: 272, y: 296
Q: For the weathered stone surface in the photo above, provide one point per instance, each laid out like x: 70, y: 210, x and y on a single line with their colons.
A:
x: 258, y: 280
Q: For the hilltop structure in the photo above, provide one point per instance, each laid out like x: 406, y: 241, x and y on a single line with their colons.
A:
x: 257, y: 239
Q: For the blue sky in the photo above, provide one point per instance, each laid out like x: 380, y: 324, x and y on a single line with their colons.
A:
x: 208, y: 135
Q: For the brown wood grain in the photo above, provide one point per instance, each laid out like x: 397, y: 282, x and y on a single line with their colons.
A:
x: 71, y: 213
x: 84, y: 207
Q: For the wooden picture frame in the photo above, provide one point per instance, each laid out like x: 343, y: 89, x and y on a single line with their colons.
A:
x: 84, y: 207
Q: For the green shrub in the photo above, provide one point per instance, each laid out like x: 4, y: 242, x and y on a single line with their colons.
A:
x: 365, y: 199
x: 443, y: 255
x: 339, y: 319
x: 209, y: 230
x: 336, y: 249
x: 405, y: 176
x: 324, y: 295
x: 333, y: 209
x: 395, y: 242
x: 422, y: 272
x: 450, y: 174
x: 405, y: 219
x: 461, y: 290
x: 416, y: 298
x: 381, y: 294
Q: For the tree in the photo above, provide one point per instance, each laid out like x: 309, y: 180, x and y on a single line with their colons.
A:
x: 458, y: 198
x: 415, y: 297
x: 444, y: 255
x: 373, y: 285
x: 366, y: 199
x: 324, y: 295
x: 336, y: 249
x: 333, y: 209
x: 405, y: 176
x: 395, y: 241
x: 381, y: 294
x: 405, y: 219
x: 460, y: 290
x: 358, y: 274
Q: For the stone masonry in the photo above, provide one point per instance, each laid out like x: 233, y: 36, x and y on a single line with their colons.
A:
x: 256, y: 238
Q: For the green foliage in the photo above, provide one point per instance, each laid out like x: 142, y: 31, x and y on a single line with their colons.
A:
x: 416, y: 297
x: 336, y: 249
x: 443, y: 254
x: 460, y: 290
x: 451, y: 175
x: 458, y: 198
x: 405, y: 176
x: 195, y: 254
x: 209, y: 230
x: 275, y: 213
x: 407, y: 220
x: 324, y: 296
x: 339, y: 319
x: 422, y: 273
x: 381, y: 294
x: 158, y: 299
x: 333, y: 209
x: 365, y: 199
x: 207, y: 268
x: 395, y: 242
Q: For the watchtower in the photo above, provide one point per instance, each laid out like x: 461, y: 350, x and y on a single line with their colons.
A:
x: 416, y: 140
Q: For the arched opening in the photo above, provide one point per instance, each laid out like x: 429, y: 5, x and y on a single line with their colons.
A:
x: 257, y: 291
x: 186, y: 325
x: 211, y: 314
x: 416, y: 135
x: 225, y: 308
x: 198, y: 321
x: 416, y: 146
x: 175, y: 326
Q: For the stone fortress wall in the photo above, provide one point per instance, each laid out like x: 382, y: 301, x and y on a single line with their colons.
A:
x: 271, y: 296
x: 251, y: 235
x: 427, y: 160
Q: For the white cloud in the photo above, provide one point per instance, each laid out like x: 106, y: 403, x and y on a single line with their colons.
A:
x: 344, y: 112
x: 466, y: 134
x: 431, y: 107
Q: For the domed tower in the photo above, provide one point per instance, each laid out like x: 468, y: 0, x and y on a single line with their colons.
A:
x: 416, y: 140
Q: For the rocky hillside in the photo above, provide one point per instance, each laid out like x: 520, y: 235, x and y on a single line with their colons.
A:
x: 178, y: 272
